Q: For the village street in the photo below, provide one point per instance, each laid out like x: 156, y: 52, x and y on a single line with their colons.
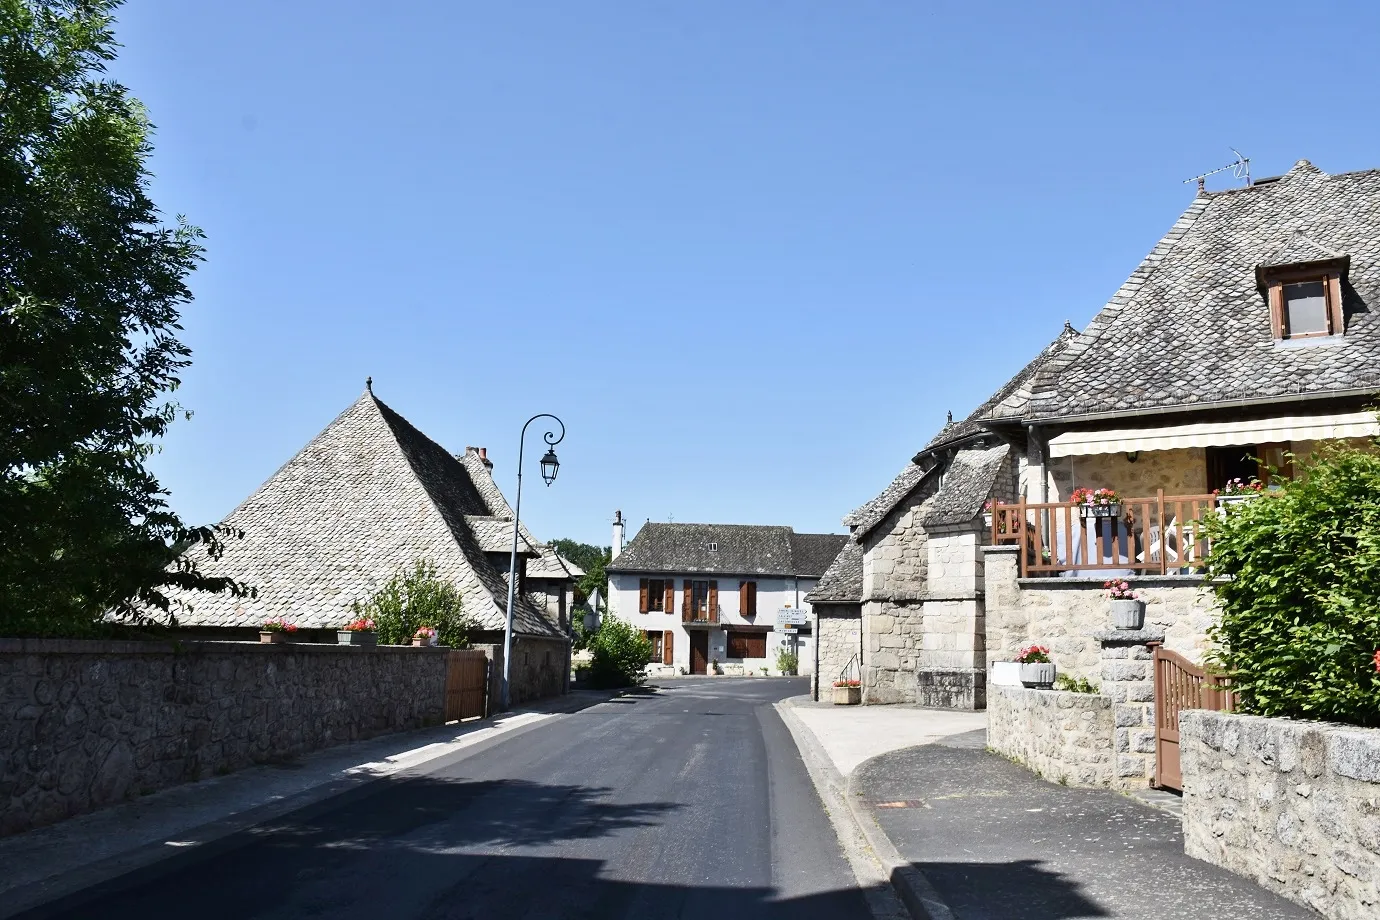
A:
x: 688, y: 802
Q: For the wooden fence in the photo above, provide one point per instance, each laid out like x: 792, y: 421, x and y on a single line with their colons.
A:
x: 467, y: 683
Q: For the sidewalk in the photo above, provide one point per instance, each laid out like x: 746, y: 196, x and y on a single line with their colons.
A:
x: 50, y: 862
x: 967, y: 835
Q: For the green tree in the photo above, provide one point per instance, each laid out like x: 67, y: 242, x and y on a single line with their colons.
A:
x: 414, y: 598
x: 1296, y: 573
x: 592, y: 559
x: 619, y: 655
x: 91, y: 288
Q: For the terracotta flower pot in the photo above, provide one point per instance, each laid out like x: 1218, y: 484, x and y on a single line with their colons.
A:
x: 1037, y: 675
x: 362, y: 637
x: 1128, y: 613
x: 272, y: 636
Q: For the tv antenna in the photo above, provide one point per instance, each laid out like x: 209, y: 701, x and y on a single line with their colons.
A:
x: 1241, y: 169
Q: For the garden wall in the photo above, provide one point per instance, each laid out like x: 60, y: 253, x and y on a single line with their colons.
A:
x: 1064, y: 737
x: 85, y: 724
x: 1293, y: 806
x: 1066, y: 614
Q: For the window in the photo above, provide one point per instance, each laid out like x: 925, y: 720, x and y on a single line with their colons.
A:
x: 656, y: 595
x: 713, y: 547
x: 1247, y: 462
x: 699, y: 598
x: 658, y: 648
x: 747, y: 644
x: 1305, y: 306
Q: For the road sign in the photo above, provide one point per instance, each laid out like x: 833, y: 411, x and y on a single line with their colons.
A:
x: 789, y: 616
x: 789, y: 630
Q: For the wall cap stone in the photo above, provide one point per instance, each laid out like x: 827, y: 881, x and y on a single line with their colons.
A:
x: 195, y: 646
x: 1000, y: 548
x: 1130, y: 636
x: 1089, y: 700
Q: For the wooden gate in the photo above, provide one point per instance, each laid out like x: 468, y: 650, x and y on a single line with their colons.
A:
x: 1179, y: 685
x: 467, y: 682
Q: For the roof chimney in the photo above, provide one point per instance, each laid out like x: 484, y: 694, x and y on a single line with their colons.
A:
x: 483, y: 454
x: 617, y: 535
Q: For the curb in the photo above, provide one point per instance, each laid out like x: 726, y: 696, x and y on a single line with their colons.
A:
x: 851, y: 817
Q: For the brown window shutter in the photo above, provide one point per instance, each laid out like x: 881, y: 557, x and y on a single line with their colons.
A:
x: 713, y: 602
x: 742, y: 598
x: 752, y: 598
x: 1336, y: 320
x: 670, y: 605
x: 1277, y: 310
x: 685, y: 601
x: 642, y: 597
x: 666, y: 656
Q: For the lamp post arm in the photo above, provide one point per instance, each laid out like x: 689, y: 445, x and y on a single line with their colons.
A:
x: 551, y: 439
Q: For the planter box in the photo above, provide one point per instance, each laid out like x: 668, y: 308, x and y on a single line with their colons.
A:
x: 1038, y: 676
x: 1235, y: 499
x: 847, y: 696
x: 1128, y: 614
x: 365, y: 638
x: 1100, y: 511
x: 272, y: 636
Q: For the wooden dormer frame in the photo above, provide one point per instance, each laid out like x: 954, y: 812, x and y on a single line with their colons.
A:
x: 1329, y: 273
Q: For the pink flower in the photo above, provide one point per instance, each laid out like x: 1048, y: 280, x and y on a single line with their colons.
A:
x: 1377, y: 660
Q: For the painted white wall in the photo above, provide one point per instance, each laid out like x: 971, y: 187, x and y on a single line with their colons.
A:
x: 772, y: 594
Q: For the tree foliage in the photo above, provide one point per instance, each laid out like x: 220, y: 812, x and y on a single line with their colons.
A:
x: 91, y: 288
x: 620, y: 654
x: 414, y: 598
x: 1297, y: 575
x: 592, y: 559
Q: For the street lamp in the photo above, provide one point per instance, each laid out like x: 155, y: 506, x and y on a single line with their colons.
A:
x: 549, y: 467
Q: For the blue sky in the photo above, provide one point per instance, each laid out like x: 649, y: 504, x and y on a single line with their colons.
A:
x: 751, y: 252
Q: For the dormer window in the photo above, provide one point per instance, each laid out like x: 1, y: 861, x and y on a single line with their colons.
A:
x: 1305, y: 306
x: 1302, y: 281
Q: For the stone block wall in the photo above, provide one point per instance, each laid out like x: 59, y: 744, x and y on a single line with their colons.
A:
x: 892, y: 636
x: 1066, y: 613
x: 1178, y: 472
x: 1293, y: 806
x: 1063, y: 737
x: 1128, y: 680
x: 838, y: 632
x: 896, y: 555
x: 538, y: 669
x: 85, y: 724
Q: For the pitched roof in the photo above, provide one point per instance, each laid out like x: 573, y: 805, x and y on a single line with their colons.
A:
x: 1190, y: 328
x: 842, y: 582
x: 967, y: 485
x: 366, y: 498
x: 868, y: 516
x: 740, y: 549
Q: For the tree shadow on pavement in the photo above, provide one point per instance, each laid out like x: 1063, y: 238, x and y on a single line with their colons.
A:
x: 1018, y: 890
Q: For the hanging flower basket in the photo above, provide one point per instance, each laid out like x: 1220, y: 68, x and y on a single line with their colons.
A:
x: 1097, y: 503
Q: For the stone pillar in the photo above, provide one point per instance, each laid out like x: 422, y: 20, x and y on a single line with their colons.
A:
x: 1128, y: 678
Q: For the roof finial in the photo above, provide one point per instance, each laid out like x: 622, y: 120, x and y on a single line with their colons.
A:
x: 1068, y: 328
x: 951, y: 418
x: 369, y: 384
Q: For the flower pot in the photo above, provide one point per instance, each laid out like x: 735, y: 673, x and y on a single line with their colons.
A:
x: 847, y: 696
x: 363, y: 637
x: 987, y: 521
x: 419, y: 642
x: 1100, y: 511
x: 1038, y: 675
x: 272, y: 636
x: 1128, y: 613
x: 1224, y: 500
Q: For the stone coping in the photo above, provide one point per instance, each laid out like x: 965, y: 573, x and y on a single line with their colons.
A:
x: 1130, y: 636
x: 189, y: 646
x: 1000, y: 548
x: 1140, y: 581
x: 1352, y: 751
x: 1092, y: 700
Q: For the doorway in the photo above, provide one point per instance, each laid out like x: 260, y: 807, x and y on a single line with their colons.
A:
x: 699, y: 651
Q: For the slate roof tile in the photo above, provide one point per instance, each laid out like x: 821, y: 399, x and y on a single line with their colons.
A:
x: 741, y: 549
x: 842, y: 582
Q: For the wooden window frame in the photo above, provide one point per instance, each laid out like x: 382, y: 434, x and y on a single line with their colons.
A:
x: 1332, y: 293
x: 658, y: 640
x: 656, y: 595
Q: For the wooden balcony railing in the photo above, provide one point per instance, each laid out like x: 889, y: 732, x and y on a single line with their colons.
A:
x: 700, y: 616
x: 1159, y: 535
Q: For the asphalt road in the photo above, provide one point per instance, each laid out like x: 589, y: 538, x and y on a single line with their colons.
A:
x: 690, y: 802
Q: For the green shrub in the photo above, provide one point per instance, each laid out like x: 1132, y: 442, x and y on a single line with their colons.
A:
x: 415, y: 598
x: 787, y: 662
x: 1074, y: 684
x: 1297, y: 575
x: 619, y: 655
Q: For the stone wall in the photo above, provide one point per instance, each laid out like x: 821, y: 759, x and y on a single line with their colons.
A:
x: 85, y: 724
x: 838, y: 631
x: 1293, y: 806
x: 539, y: 668
x: 1063, y: 737
x: 895, y: 584
x: 1178, y: 472
x: 1066, y: 613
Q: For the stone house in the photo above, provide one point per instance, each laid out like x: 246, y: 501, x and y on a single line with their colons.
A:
x: 362, y: 501
x: 706, y: 593
x: 1246, y: 336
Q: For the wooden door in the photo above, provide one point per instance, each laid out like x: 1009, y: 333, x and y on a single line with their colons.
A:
x: 699, y: 651
x: 467, y: 684
x: 1180, y: 685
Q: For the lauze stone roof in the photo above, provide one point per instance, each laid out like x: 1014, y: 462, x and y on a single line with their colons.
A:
x: 1191, y: 326
x: 365, y: 499
x: 842, y: 582
x: 739, y: 549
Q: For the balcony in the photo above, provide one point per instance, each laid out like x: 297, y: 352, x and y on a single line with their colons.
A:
x: 1159, y: 535
x: 706, y: 618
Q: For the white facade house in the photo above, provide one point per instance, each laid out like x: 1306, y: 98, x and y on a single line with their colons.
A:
x: 708, y: 595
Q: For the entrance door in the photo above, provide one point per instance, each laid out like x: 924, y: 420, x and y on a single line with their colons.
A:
x: 699, y: 651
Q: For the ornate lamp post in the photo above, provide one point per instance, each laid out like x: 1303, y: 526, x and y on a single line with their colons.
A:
x: 549, y: 467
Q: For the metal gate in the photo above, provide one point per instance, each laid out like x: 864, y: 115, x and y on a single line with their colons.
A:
x: 1179, y: 685
x: 467, y: 680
